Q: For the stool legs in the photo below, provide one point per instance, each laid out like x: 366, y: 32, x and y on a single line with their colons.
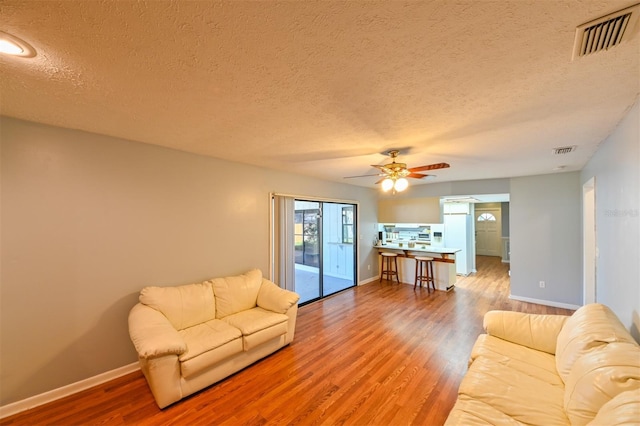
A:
x: 424, y: 275
x: 389, y: 270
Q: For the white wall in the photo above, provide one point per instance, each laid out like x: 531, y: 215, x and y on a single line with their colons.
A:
x: 88, y: 220
x: 616, y: 168
x: 545, y: 239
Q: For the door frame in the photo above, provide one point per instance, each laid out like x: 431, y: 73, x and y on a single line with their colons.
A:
x: 589, y: 242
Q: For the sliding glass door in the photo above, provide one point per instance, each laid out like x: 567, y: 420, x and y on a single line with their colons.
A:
x: 322, y: 257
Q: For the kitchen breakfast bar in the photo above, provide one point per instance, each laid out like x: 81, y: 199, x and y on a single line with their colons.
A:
x: 444, y: 262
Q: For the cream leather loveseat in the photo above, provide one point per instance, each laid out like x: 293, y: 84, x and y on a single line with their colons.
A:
x: 191, y: 336
x: 551, y: 370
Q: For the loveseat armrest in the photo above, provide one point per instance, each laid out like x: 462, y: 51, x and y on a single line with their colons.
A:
x: 535, y: 331
x: 152, y: 334
x: 276, y: 299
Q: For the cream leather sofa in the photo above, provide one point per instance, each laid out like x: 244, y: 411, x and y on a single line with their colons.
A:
x: 529, y: 369
x: 191, y: 336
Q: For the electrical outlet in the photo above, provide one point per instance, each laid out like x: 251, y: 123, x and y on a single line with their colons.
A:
x: 368, y: 267
x: 542, y: 284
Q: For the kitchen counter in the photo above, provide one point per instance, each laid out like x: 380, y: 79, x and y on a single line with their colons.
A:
x: 443, y: 257
x: 418, y: 248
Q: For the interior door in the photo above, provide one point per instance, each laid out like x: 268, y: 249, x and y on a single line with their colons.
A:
x: 488, y: 232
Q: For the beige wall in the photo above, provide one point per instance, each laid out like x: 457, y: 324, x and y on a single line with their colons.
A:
x: 88, y: 220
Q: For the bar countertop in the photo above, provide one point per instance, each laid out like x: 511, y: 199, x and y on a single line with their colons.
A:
x: 418, y: 248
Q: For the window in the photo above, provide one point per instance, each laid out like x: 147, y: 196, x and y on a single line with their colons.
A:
x: 347, y: 225
x: 486, y: 217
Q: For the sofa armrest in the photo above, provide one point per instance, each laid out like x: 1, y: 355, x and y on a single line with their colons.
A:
x: 535, y: 331
x: 276, y: 299
x: 152, y: 334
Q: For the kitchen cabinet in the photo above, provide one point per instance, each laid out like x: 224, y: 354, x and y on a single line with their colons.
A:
x: 409, y: 210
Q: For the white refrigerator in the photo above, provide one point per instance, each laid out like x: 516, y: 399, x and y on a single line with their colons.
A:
x: 458, y: 233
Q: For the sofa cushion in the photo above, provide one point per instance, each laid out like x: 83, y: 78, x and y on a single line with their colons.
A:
x: 471, y: 412
x: 258, y: 325
x: 535, y: 331
x: 624, y: 409
x: 598, y: 376
x: 525, y: 398
x: 184, y: 306
x: 207, y: 344
x: 276, y: 299
x: 538, y: 364
x: 236, y: 294
x: 591, y: 326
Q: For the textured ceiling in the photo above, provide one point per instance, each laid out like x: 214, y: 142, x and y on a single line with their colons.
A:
x: 323, y: 88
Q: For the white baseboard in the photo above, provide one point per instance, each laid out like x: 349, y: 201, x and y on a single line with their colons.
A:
x: 544, y: 302
x: 55, y: 394
x: 369, y: 280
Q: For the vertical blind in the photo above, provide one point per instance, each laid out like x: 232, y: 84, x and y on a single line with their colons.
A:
x: 282, y: 254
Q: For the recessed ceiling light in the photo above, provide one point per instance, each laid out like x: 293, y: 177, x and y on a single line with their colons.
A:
x: 11, y: 45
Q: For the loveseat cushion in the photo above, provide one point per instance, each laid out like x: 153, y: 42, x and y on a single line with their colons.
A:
x: 237, y: 293
x: 538, y: 364
x: 207, y: 344
x: 624, y: 409
x: 184, y: 306
x: 598, y: 376
x: 591, y: 326
x: 525, y: 398
x: 276, y: 299
x: 258, y: 325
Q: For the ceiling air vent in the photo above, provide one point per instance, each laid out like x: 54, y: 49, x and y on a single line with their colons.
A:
x: 606, y: 32
x: 564, y: 150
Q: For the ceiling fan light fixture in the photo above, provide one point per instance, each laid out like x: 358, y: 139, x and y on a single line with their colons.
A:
x: 387, y: 184
x: 401, y: 184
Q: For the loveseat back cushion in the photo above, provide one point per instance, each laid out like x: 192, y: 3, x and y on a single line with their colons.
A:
x: 238, y: 293
x: 598, y: 376
x: 591, y: 326
x: 624, y: 409
x: 184, y: 306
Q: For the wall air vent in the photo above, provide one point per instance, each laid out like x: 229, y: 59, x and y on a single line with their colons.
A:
x: 605, y: 32
x: 564, y: 150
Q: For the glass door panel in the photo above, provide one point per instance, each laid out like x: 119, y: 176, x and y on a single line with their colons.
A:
x: 338, y: 247
x: 307, y: 223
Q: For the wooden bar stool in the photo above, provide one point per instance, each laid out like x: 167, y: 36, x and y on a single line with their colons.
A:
x: 389, y: 269
x: 425, y: 275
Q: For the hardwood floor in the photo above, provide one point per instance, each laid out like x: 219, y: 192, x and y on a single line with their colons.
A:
x: 379, y: 354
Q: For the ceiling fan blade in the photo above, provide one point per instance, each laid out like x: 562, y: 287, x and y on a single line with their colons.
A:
x: 416, y: 175
x: 349, y: 177
x: 429, y: 167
